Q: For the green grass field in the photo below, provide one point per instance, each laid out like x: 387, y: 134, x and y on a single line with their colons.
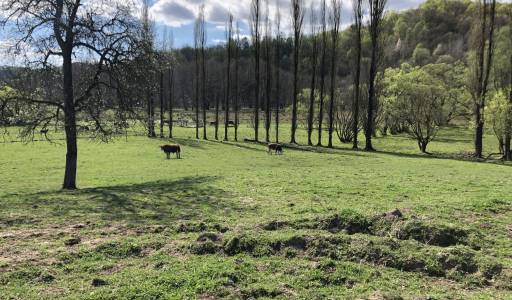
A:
x: 230, y: 221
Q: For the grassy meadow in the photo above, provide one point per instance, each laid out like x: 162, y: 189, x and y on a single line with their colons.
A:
x: 230, y: 221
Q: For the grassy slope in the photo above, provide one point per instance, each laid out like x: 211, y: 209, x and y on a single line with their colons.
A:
x: 132, y: 200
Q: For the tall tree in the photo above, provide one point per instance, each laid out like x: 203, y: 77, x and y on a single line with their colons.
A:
x: 202, y: 43
x: 256, y: 41
x: 237, y: 79
x: 357, y: 6
x: 335, y: 20
x: 483, y: 44
x: 314, y: 62
x: 277, y: 67
x: 229, y: 38
x: 197, y: 43
x: 149, y: 56
x: 376, y: 10
x: 268, y: 71
x: 61, y: 30
x: 323, y: 70
x: 172, y: 66
x: 297, y: 23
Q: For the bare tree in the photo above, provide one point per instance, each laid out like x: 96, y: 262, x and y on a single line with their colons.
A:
x: 358, y: 24
x: 255, y: 32
x: 202, y: 43
x: 62, y: 30
x: 149, y: 51
x: 335, y: 20
x: 297, y: 23
x: 268, y: 72
x: 228, y: 75
x: 314, y: 62
x: 376, y: 10
x: 483, y: 43
x: 277, y: 66
x: 172, y: 66
x: 323, y: 71
x: 197, y: 43
x: 237, y: 84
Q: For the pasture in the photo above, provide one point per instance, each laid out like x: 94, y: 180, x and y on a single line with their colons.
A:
x: 230, y: 221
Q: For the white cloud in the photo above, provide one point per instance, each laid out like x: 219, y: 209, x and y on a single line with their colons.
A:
x: 177, y: 13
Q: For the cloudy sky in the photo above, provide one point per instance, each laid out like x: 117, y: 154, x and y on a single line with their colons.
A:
x: 179, y: 15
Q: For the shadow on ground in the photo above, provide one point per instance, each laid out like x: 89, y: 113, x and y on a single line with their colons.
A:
x: 160, y: 202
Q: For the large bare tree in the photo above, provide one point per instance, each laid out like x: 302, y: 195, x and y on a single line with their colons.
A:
x: 63, y: 32
x: 483, y: 44
x: 376, y: 15
x: 297, y: 24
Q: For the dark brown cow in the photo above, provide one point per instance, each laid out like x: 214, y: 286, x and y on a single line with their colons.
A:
x: 168, y: 149
x: 277, y: 148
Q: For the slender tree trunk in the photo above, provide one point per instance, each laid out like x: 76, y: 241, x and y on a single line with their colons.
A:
x: 278, y: 83
x: 203, y: 83
x: 237, y: 92
x: 332, y: 96
x: 322, y: 87
x: 162, y: 109
x: 357, y: 81
x: 217, y: 110
x: 228, y: 82
x: 197, y: 94
x: 312, y: 94
x: 371, y: 104
x: 171, y: 100
x: 268, y: 67
x: 69, y: 124
x: 295, y: 91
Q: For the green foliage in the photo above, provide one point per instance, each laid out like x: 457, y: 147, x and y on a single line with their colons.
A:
x: 499, y: 115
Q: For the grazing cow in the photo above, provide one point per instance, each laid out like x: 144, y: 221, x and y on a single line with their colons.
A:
x: 44, y: 131
x: 168, y: 149
x: 277, y: 148
x: 231, y: 123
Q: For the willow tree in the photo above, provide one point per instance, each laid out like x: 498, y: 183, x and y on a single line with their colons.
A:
x: 62, y: 31
x: 297, y: 23
x: 376, y: 15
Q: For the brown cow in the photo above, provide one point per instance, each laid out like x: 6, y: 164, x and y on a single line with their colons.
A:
x: 275, y: 147
x: 168, y: 149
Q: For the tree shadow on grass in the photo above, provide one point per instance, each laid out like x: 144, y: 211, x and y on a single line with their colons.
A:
x: 189, y: 198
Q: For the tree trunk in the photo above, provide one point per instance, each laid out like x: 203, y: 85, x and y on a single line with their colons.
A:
x: 203, y: 83
x: 69, y: 125
x: 357, y: 81
x: 237, y: 92
x: 479, y: 131
x: 331, y: 102
x: 171, y: 99
x: 278, y: 85
x: 312, y: 99
x: 268, y: 70
x: 371, y: 101
x: 162, y: 109
x: 295, y: 90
